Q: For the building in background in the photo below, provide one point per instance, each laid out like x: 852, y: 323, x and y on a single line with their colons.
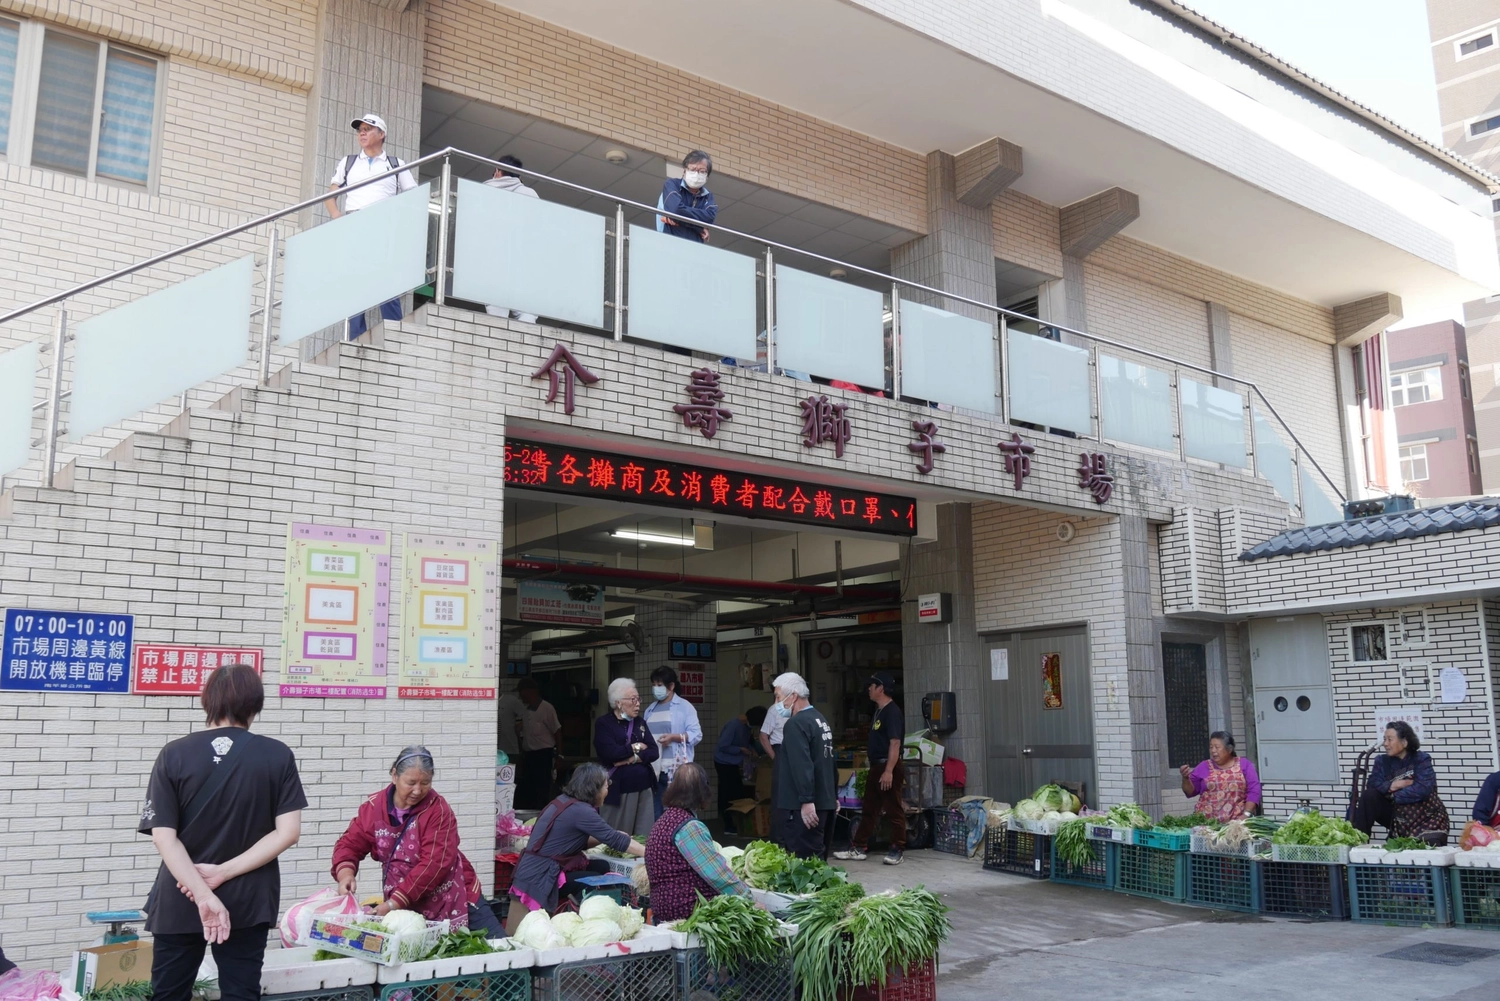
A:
x: 1431, y: 395
x: 1466, y: 56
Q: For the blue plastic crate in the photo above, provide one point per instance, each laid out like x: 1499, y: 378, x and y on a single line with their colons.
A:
x: 1099, y: 873
x: 1151, y: 872
x: 1398, y: 894
x: 1223, y: 882
x: 1474, y: 894
x: 1304, y: 890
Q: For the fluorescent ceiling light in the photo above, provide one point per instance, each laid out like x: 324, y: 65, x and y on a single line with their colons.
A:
x: 665, y: 540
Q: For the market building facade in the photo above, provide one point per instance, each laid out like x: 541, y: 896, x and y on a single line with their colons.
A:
x: 1056, y: 331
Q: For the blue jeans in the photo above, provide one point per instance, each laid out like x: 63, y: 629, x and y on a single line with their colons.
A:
x: 388, y: 311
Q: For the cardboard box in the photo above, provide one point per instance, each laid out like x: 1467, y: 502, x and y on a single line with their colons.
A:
x: 759, y: 813
x: 763, y: 781
x: 109, y: 965
x: 923, y: 749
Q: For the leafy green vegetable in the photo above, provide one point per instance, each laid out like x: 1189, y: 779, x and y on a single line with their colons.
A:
x: 761, y: 862
x: 1182, y: 823
x: 820, y: 951
x: 1312, y: 828
x: 140, y: 990
x: 846, y: 939
x: 461, y: 942
x: 733, y: 931
x: 1124, y: 815
x: 1406, y: 845
x: 1072, y: 843
x: 805, y: 875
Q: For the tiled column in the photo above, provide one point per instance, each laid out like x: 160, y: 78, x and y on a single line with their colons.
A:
x: 1142, y: 665
x: 958, y: 253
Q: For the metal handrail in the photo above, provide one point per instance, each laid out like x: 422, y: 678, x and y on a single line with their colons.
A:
x: 450, y: 151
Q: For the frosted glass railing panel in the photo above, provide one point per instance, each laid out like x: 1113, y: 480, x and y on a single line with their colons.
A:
x: 1273, y: 459
x: 353, y: 263
x: 1317, y: 507
x: 528, y: 255
x: 690, y: 295
x: 1049, y: 383
x: 150, y: 350
x: 17, y: 387
x: 829, y: 328
x: 947, y: 358
x: 1136, y: 403
x: 1213, y: 423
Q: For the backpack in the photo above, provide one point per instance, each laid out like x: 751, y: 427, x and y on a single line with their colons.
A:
x: 349, y: 161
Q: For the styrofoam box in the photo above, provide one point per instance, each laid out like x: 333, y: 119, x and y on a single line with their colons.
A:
x: 1416, y: 857
x: 1480, y: 859
x: 683, y: 940
x: 772, y: 901
x: 507, y: 957
x: 1048, y: 827
x: 293, y: 971
x: 650, y: 939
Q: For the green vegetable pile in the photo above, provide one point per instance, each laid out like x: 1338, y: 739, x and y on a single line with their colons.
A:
x: 612, y: 853
x: 1406, y: 845
x: 1072, y: 843
x: 767, y: 866
x: 461, y: 942
x: 1124, y: 815
x: 140, y: 990
x: 733, y: 931
x: 846, y: 939
x: 1182, y: 823
x: 1312, y: 828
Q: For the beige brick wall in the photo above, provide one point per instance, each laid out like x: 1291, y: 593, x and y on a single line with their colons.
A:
x: 1027, y: 233
x: 1125, y: 308
x: 479, y: 49
x: 1297, y: 376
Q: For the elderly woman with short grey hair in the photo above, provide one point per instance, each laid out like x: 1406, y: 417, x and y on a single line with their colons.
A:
x: 626, y: 750
x: 413, y: 833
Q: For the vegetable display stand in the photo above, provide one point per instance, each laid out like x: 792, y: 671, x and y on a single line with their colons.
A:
x: 701, y: 981
x: 505, y: 985
x: 1297, y: 889
x: 294, y: 973
x: 1475, y: 894
x: 915, y: 983
x: 650, y: 976
x: 353, y: 993
x: 1098, y: 873
x: 1398, y: 894
x: 1019, y: 852
x: 1223, y: 882
x: 1167, y: 841
x: 950, y: 832
x: 1317, y: 854
x: 1151, y: 872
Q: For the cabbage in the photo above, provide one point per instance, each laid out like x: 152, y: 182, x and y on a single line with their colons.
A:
x: 536, y: 932
x: 1067, y: 815
x: 565, y: 923
x: 631, y: 922
x: 1052, y: 815
x: 1028, y: 809
x: 730, y: 853
x: 595, y: 931
x: 600, y: 908
x: 1053, y: 797
x: 405, y: 923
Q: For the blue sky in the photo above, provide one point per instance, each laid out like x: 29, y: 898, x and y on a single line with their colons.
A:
x: 1375, y: 51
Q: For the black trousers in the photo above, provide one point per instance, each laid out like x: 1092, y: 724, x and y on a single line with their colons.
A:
x: 1374, y: 807
x: 534, y: 784
x: 175, y: 960
x: 804, y: 841
x: 775, y: 813
x: 482, y: 918
x: 731, y: 788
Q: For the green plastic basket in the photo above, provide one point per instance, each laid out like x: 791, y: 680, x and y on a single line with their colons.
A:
x: 1099, y: 873
x: 1398, y: 894
x: 505, y: 985
x: 1304, y: 890
x: 1170, y: 841
x: 1224, y: 883
x: 1151, y: 872
x: 1475, y: 896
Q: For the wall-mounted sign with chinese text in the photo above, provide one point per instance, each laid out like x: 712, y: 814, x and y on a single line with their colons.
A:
x: 66, y: 651
x: 689, y: 648
x: 690, y: 683
x: 554, y: 601
x: 449, y: 640
x: 168, y: 669
x: 585, y: 472
x: 335, y: 610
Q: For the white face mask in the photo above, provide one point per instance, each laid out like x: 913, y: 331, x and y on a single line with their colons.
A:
x: 658, y: 692
x: 695, y: 179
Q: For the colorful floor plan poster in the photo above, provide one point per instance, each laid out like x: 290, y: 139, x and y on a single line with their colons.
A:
x: 450, y: 643
x: 335, y: 612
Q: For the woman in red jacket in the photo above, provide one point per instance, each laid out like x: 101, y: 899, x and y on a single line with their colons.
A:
x: 413, y: 833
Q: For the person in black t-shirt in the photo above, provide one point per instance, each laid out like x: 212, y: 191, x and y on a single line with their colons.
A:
x: 219, y: 883
x: 887, y: 775
x: 805, y: 795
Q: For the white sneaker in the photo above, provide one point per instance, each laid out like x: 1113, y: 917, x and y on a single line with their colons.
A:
x: 852, y: 855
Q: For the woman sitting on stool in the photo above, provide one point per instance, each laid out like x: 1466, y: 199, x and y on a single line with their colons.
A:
x: 1401, y: 794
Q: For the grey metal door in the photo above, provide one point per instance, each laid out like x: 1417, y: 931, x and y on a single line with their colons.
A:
x: 1294, y: 725
x: 1030, y: 744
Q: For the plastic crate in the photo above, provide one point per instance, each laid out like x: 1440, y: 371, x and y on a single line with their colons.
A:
x: 360, y: 992
x: 1169, y: 841
x: 1297, y: 889
x: 1318, y: 854
x: 952, y: 794
x: 650, y: 976
x: 915, y: 983
x: 1398, y: 894
x: 950, y: 832
x: 506, y: 985
x: 1204, y: 844
x: 1223, y: 882
x: 1115, y: 835
x: 505, y: 871
x: 1475, y: 896
x: 700, y: 980
x: 618, y: 888
x: 1151, y: 872
x: 1099, y: 873
x: 1018, y: 852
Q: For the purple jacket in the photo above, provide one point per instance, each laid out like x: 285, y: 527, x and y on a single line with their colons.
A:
x: 612, y: 739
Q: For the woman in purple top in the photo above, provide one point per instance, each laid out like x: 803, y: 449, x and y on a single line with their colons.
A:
x: 1226, y: 785
x: 626, y: 749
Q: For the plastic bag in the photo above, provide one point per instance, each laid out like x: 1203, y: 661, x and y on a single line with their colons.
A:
x: 33, y: 985
x: 326, y: 903
x: 1476, y: 835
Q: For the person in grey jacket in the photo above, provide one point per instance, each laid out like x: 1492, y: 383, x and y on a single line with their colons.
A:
x: 808, y: 776
x: 509, y: 180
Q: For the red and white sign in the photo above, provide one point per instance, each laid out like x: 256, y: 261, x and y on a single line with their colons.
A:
x: 932, y: 608
x: 690, y: 683
x: 163, y: 669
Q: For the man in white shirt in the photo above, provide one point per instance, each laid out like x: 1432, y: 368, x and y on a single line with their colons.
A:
x: 371, y: 161
x: 770, y: 740
x: 509, y: 180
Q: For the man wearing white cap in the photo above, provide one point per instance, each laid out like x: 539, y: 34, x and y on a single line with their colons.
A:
x: 371, y: 160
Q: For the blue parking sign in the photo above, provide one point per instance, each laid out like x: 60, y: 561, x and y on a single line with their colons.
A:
x: 66, y: 651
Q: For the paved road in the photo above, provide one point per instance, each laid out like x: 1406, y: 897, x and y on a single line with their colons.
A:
x: 1016, y: 938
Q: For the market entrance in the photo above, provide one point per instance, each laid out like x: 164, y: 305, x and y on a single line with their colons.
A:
x: 1039, y: 716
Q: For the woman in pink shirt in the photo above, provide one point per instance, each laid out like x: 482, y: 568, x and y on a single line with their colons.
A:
x: 1226, y: 785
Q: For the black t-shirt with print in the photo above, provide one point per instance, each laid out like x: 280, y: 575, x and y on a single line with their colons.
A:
x: 263, y: 786
x: 889, y: 724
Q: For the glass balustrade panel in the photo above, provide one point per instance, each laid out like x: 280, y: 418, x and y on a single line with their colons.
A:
x: 829, y: 328
x: 150, y: 350
x: 17, y: 392
x: 528, y: 255
x: 947, y: 358
x: 1136, y: 404
x: 1213, y: 423
x: 1049, y: 383
x: 690, y: 295
x: 1317, y: 507
x: 1273, y: 459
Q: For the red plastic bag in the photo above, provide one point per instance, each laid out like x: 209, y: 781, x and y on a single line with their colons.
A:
x: 1476, y: 835
x: 326, y: 903
x: 35, y: 985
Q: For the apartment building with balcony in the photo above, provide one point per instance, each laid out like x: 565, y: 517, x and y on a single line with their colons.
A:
x: 1081, y: 333
x: 1432, y: 398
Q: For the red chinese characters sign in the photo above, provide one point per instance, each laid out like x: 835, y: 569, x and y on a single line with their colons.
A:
x: 587, y: 473
x: 165, y: 669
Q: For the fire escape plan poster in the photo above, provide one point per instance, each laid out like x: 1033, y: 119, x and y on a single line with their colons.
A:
x: 335, y: 612
x: 450, y: 592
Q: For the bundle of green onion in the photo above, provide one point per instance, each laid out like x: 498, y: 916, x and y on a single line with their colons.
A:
x: 845, y: 939
x: 733, y: 931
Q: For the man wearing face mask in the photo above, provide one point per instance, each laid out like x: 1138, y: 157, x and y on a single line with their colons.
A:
x: 688, y: 197
x: 674, y: 725
x: 805, y: 796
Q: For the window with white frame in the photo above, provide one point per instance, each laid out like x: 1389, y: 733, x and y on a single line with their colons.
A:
x: 1413, y: 463
x: 1417, y: 386
x: 1367, y: 642
x: 1463, y: 379
x: 1473, y: 450
x: 1483, y: 126
x: 77, y: 104
x: 1475, y: 44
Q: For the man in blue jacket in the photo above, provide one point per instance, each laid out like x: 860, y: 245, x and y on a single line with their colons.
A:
x: 688, y: 197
